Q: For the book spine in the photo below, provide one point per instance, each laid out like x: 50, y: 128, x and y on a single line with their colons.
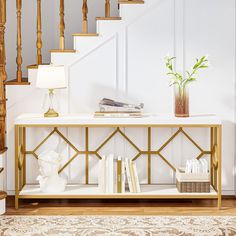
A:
x: 102, y: 175
x: 107, y: 175
x: 111, y: 174
x: 119, y: 175
x: 127, y: 169
x: 106, y: 108
x: 122, y: 176
x: 136, y: 177
x: 132, y: 176
x: 118, y: 115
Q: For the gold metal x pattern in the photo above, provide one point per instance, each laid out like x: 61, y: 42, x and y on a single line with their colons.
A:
x: 140, y: 152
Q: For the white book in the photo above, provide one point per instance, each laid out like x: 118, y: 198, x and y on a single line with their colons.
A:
x: 102, y: 175
x: 128, y: 175
x: 115, y: 179
x: 123, y: 176
x: 132, y: 176
x: 106, y: 175
x: 134, y: 167
x: 110, y: 173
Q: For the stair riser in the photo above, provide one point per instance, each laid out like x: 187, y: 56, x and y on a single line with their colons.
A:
x: 107, y: 27
x: 63, y: 58
x: 83, y: 44
x: 130, y: 11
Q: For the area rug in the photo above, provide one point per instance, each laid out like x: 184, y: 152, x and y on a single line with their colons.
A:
x: 117, y: 225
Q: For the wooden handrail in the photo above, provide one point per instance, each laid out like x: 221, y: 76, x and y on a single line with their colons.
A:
x: 39, y: 43
x: 3, y: 76
x: 62, y: 25
x: 19, y: 41
x: 107, y: 8
x: 85, y: 17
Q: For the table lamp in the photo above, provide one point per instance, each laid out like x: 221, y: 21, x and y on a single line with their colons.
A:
x: 51, y: 77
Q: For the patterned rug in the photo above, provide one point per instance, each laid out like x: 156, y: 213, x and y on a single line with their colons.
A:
x: 117, y: 225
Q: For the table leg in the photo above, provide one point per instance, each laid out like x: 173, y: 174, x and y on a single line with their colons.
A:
x: 87, y: 155
x: 24, y: 155
x: 219, y: 153
x: 16, y: 167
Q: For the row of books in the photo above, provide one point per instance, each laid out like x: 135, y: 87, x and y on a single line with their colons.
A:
x: 112, y: 108
x: 113, y: 174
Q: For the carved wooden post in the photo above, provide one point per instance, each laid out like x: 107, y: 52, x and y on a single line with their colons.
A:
x: 19, y: 41
x: 39, y: 34
x: 85, y: 17
x: 107, y: 8
x: 3, y: 74
x: 62, y: 25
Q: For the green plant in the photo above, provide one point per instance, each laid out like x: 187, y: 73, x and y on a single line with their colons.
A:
x: 178, y: 79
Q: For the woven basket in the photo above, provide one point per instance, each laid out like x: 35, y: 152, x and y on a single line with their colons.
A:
x: 193, y: 187
x: 192, y: 183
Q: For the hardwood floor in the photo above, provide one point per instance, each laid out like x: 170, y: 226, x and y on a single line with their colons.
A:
x: 122, y: 207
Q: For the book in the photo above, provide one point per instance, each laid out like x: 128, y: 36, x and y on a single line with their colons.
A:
x: 136, y: 179
x: 102, y: 175
x: 132, y: 176
x: 110, y: 174
x: 107, y: 108
x: 128, y: 175
x: 113, y: 103
x: 119, y: 175
x: 117, y: 115
x: 123, y: 176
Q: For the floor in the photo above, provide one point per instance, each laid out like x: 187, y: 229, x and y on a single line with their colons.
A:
x: 122, y: 207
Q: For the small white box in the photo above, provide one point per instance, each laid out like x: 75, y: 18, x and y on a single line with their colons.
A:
x: 181, y: 176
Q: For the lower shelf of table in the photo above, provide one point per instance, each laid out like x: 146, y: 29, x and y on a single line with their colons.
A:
x: 92, y: 191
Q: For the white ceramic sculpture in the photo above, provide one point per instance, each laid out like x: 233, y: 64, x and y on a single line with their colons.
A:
x: 49, y: 179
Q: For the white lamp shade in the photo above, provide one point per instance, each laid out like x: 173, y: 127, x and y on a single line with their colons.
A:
x: 51, y: 77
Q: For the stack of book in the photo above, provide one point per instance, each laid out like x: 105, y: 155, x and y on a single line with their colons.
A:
x: 111, y: 108
x: 113, y: 174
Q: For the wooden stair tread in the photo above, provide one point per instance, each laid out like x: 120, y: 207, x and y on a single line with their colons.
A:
x: 3, y: 195
x: 35, y: 66
x: 109, y: 18
x: 16, y: 82
x: 63, y: 51
x: 131, y: 2
x: 85, y: 34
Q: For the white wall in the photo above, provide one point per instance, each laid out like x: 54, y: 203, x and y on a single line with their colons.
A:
x: 127, y: 62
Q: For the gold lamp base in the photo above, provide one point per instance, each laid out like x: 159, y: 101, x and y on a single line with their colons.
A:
x: 51, y: 113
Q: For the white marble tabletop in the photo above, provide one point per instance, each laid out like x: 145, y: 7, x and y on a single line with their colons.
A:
x: 90, y: 120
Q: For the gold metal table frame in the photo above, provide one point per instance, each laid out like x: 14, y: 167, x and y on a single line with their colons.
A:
x: 214, y: 153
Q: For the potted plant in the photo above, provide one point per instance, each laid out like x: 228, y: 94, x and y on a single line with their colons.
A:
x: 181, y: 83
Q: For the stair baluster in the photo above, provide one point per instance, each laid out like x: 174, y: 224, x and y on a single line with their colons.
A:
x: 107, y: 8
x: 62, y: 25
x: 3, y: 75
x: 85, y: 17
x: 39, y: 43
x: 19, y: 42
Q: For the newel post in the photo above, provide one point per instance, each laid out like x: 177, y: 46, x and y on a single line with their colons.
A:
x: 3, y: 75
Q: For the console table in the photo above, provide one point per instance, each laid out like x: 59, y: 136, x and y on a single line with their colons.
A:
x: 148, y: 191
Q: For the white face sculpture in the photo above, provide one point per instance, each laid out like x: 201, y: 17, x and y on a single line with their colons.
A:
x: 48, y: 169
x: 49, y: 163
x: 49, y: 180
